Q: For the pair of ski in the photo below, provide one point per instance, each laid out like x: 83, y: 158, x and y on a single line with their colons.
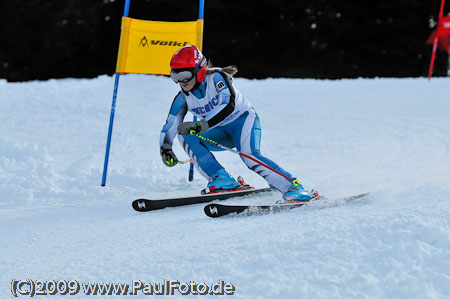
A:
x: 218, y: 210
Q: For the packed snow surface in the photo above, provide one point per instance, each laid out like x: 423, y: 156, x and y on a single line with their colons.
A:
x: 390, y: 137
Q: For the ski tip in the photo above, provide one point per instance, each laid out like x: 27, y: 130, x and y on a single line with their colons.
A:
x: 212, y: 210
x: 140, y: 205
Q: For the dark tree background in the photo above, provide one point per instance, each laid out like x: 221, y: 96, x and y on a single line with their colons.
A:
x: 42, y: 39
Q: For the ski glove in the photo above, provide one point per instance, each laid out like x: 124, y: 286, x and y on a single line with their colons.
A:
x: 168, y: 156
x: 190, y: 127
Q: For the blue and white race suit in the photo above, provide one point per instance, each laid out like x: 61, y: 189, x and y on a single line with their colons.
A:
x: 232, y: 122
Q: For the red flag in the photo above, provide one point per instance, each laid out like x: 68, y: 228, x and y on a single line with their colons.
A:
x: 444, y: 26
x: 443, y: 42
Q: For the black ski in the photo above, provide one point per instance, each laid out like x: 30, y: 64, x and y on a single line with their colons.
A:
x: 218, y: 210
x: 144, y: 205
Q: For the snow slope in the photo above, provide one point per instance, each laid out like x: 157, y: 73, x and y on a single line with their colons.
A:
x: 387, y: 136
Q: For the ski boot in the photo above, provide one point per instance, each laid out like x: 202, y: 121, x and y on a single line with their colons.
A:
x: 221, y: 181
x: 298, y: 194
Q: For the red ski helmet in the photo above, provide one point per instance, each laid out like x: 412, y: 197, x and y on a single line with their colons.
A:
x: 186, y: 63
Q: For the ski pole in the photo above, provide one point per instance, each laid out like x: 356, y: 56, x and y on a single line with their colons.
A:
x: 294, y: 181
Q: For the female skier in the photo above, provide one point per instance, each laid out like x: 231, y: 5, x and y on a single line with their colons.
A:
x: 226, y: 117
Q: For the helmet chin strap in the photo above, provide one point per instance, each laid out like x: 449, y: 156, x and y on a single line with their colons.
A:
x: 197, y: 84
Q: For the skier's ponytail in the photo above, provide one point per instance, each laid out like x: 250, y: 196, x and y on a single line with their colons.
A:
x: 230, y: 70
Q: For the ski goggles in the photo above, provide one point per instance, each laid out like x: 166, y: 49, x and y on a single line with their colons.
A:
x: 182, y: 75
